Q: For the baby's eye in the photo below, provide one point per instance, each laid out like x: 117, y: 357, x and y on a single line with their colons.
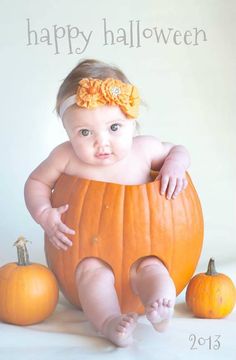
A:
x: 115, y: 127
x: 84, y: 132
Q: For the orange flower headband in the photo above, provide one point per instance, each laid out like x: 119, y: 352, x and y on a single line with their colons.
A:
x: 92, y: 93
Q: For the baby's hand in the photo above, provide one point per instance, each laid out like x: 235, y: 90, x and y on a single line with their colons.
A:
x: 172, y: 176
x: 50, y: 220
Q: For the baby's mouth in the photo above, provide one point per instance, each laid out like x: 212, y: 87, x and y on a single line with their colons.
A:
x: 103, y: 155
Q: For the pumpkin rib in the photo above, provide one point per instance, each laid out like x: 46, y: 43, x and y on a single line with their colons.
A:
x: 198, y: 210
x: 162, y: 211
x: 122, y: 250
x: 173, y: 225
x: 7, y: 293
x: 80, y: 244
x: 84, y: 243
x: 151, y: 195
x: 120, y: 193
x: 122, y: 241
x: 127, y: 212
x: 167, y: 220
x: 101, y: 214
x: 152, y: 213
x: 186, y: 209
x: 13, y: 279
x: 149, y: 220
x: 110, y: 232
x: 129, y: 238
x: 76, y: 244
x: 62, y: 260
x: 65, y: 216
x: 191, y: 227
x: 195, y: 200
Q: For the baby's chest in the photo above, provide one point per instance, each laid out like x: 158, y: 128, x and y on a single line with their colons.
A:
x: 134, y: 171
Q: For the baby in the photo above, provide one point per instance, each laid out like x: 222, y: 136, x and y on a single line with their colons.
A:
x: 98, y: 107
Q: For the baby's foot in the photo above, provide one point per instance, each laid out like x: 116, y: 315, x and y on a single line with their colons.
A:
x: 119, y: 328
x: 159, y: 313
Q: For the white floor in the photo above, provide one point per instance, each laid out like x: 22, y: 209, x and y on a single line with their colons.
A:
x: 67, y: 335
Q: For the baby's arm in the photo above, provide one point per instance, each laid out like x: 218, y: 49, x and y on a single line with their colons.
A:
x: 38, y: 189
x: 172, y: 162
x: 172, y: 172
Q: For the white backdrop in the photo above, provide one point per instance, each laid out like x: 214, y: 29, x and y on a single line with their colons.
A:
x: 187, y: 82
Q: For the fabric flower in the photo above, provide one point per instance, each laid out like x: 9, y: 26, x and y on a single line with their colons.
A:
x: 89, y: 93
x: 132, y: 108
x: 122, y: 94
x: 92, y: 93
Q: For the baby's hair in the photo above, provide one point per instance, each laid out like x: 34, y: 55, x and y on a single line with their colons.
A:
x: 89, y: 68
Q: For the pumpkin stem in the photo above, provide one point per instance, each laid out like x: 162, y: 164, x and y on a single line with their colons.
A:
x: 22, y: 252
x: 211, y: 270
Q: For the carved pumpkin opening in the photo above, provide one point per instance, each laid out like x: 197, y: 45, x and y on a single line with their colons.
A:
x: 101, y: 261
x: 139, y: 260
x: 135, y: 266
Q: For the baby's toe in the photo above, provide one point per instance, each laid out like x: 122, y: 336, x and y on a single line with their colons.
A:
x: 123, y: 324
x: 128, y: 320
x: 154, y: 306
x: 165, y: 302
x: 133, y: 317
x: 121, y: 328
x: 149, y: 311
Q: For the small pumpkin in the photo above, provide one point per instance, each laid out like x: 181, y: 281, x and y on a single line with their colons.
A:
x: 211, y: 295
x: 28, y: 291
x: 122, y: 223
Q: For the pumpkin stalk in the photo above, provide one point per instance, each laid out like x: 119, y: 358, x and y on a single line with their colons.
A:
x: 22, y: 252
x: 211, y: 270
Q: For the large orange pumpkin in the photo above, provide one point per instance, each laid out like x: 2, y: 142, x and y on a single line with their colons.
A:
x: 28, y: 291
x: 122, y: 223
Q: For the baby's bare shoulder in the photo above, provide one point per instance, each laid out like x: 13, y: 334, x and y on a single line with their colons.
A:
x: 153, y: 149
x: 146, y: 139
x: 55, y: 164
x: 147, y: 143
x: 61, y: 152
x: 58, y: 158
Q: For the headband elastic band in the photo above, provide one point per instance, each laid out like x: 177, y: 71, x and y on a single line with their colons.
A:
x: 71, y: 100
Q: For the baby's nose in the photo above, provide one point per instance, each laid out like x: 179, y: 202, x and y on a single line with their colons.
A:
x: 102, y: 140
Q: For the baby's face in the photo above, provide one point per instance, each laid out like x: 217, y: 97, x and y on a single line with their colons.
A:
x: 101, y: 136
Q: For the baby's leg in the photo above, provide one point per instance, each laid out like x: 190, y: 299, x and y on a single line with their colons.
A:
x: 98, y: 298
x: 153, y: 284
